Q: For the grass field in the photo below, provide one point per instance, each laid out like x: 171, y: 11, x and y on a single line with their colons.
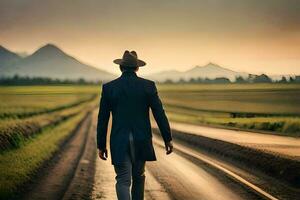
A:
x: 34, y: 120
x: 268, y: 107
x: 24, y: 101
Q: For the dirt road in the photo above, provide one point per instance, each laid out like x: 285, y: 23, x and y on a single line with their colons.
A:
x: 286, y: 146
x: 184, y: 179
x: 77, y: 173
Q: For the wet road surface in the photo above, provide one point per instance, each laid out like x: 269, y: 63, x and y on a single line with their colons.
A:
x: 283, y: 145
x: 172, y: 177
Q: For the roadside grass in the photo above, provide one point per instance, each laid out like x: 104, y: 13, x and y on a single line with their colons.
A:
x: 14, y: 132
x: 18, y: 165
x: 289, y: 126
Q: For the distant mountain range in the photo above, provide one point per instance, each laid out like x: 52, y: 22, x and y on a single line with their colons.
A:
x: 7, y: 57
x: 49, y: 61
x: 210, y: 71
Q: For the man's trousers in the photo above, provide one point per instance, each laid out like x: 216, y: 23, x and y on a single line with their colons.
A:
x: 131, y: 171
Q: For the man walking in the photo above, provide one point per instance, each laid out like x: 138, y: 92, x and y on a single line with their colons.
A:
x: 129, y: 98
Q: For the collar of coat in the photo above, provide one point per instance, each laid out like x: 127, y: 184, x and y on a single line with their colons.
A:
x: 128, y: 73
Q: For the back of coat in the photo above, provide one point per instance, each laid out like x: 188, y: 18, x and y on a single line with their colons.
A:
x: 129, y: 99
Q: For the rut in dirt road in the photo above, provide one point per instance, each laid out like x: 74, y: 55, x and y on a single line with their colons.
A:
x: 57, y: 176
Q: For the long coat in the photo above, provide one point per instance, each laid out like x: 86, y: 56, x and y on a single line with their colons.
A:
x: 129, y: 98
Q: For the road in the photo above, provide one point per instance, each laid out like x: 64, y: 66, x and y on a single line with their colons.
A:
x: 285, y: 146
x: 173, y: 177
x: 184, y: 175
x: 176, y: 177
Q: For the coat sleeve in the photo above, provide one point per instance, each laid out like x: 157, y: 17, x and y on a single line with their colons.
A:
x: 159, y: 114
x: 103, y: 118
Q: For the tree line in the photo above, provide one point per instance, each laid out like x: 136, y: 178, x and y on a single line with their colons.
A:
x: 19, y: 80
x: 263, y: 78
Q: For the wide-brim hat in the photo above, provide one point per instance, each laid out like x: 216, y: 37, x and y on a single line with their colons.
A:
x: 130, y: 59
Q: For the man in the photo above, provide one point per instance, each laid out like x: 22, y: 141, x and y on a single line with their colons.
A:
x: 129, y: 98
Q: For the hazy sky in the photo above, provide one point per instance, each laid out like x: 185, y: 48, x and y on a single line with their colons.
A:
x: 245, y: 35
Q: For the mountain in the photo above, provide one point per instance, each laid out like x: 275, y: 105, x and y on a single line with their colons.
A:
x: 210, y: 71
x: 165, y: 75
x: 50, y: 61
x: 7, y: 57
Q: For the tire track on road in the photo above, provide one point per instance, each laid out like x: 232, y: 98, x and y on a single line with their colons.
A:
x: 81, y: 185
x: 57, y: 176
x: 183, y: 179
x: 241, y: 183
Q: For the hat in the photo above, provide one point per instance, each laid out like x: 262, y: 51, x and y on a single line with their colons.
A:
x: 130, y: 59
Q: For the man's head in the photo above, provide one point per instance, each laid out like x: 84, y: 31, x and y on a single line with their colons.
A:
x: 129, y: 62
x: 124, y: 68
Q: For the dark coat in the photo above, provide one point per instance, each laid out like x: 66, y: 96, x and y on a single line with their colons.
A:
x: 129, y: 98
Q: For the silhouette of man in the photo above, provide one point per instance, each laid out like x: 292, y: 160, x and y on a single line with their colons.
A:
x: 129, y: 98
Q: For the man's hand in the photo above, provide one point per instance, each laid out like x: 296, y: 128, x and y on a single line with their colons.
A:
x: 169, y: 147
x: 102, y: 154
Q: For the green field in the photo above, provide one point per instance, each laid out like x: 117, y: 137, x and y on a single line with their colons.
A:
x: 34, y: 121
x: 267, y: 107
x: 23, y: 101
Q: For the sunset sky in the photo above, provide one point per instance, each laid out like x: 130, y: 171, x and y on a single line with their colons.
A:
x: 244, y: 35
